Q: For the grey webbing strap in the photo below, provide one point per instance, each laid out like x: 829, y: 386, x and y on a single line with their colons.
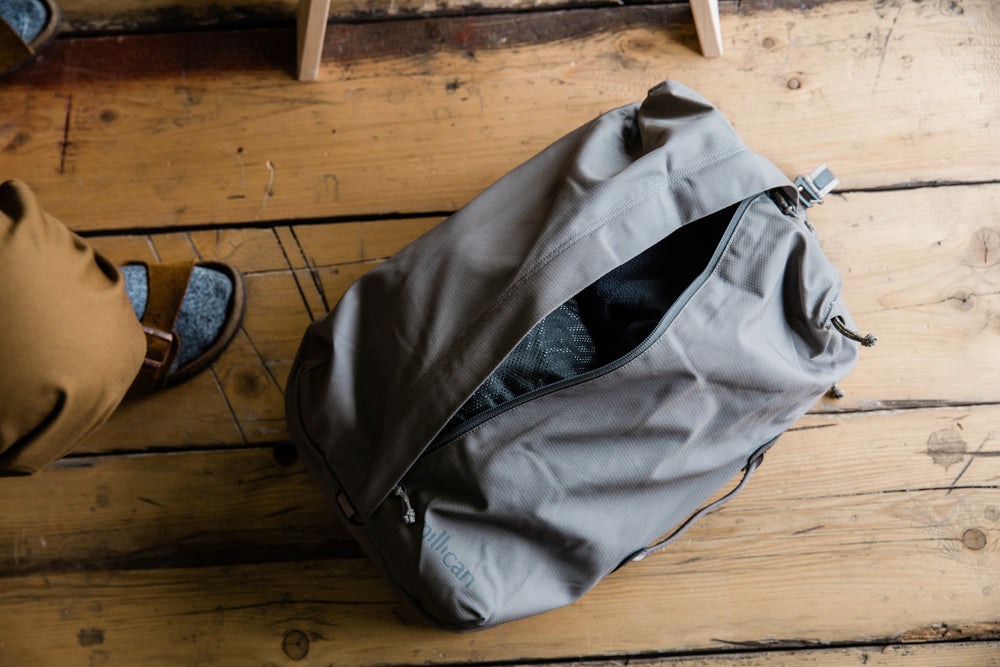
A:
x: 751, y: 467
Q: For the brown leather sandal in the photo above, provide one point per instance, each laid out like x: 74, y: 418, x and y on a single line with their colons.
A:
x: 167, y: 284
x: 14, y: 51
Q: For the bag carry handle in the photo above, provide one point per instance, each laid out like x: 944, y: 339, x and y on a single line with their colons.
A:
x: 751, y: 467
x: 755, y: 460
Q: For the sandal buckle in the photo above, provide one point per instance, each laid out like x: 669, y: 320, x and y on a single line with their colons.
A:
x: 152, y: 345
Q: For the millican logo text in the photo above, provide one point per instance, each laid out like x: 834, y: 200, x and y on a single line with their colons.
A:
x: 439, y: 543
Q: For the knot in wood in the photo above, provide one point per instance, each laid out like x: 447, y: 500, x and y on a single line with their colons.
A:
x: 295, y: 644
x: 974, y: 539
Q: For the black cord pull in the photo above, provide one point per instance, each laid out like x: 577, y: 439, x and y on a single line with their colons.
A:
x: 867, y: 340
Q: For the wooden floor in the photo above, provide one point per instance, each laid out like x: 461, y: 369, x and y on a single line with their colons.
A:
x: 186, y: 532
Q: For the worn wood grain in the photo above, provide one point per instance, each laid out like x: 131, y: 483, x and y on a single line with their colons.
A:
x: 419, y: 116
x: 957, y: 654
x: 147, y: 511
x: 921, y: 269
x: 879, y: 587
x: 94, y: 512
x: 124, y: 16
x: 349, y: 619
x: 861, y: 528
x: 876, y: 530
x: 81, y: 17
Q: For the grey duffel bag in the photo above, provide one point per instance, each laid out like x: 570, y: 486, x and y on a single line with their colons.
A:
x: 566, y: 369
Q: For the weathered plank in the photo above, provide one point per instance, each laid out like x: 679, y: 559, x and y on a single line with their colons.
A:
x: 107, y: 16
x: 340, y: 612
x: 958, y: 654
x: 860, y: 528
x: 877, y: 588
x: 149, y: 511
x: 921, y: 270
x: 419, y: 116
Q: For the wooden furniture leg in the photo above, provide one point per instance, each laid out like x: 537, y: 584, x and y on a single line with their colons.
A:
x: 706, y: 21
x: 311, y: 22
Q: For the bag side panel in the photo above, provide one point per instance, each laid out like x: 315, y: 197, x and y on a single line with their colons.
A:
x: 412, y: 339
x: 541, y: 502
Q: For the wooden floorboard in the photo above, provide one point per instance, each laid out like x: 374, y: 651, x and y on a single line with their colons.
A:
x: 156, y: 131
x: 187, y: 532
x: 173, y: 508
x: 242, y: 613
x: 177, y: 509
x: 921, y: 269
x: 858, y: 528
x: 129, y: 16
x: 986, y: 654
x: 956, y: 654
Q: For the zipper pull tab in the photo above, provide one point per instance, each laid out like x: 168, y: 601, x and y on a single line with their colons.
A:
x: 815, y: 186
x: 409, y: 516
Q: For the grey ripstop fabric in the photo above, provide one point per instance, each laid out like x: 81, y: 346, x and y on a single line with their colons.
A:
x: 564, y: 370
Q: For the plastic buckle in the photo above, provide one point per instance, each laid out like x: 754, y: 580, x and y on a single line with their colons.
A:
x: 815, y: 186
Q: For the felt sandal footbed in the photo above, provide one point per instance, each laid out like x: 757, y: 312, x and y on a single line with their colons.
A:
x: 234, y: 317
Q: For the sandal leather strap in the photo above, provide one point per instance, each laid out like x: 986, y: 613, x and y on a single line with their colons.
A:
x: 167, y: 285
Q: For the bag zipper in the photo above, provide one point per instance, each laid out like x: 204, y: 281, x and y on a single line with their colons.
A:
x: 661, y: 327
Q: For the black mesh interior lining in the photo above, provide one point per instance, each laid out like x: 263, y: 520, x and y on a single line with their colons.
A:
x: 605, y: 321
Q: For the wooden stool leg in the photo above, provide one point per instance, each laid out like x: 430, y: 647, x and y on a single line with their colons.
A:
x: 312, y: 18
x: 706, y: 21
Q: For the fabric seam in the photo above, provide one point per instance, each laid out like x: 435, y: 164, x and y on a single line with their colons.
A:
x: 549, y: 257
x: 645, y: 352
